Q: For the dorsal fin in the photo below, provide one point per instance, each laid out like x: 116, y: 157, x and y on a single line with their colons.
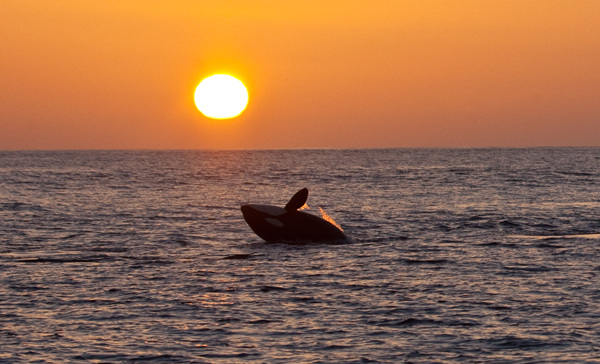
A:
x: 297, y: 201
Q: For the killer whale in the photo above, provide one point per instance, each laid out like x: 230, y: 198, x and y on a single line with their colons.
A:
x: 288, y: 225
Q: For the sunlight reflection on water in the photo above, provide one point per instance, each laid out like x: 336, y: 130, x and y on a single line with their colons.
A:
x: 542, y: 237
x: 458, y: 255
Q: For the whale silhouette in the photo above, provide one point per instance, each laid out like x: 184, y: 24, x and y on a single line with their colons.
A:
x: 288, y: 225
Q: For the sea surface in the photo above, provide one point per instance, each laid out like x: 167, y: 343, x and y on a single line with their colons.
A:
x: 457, y: 256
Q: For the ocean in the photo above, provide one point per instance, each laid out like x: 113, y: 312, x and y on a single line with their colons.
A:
x: 457, y: 256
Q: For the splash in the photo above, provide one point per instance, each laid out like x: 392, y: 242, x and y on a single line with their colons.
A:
x: 304, y: 207
x: 329, y: 219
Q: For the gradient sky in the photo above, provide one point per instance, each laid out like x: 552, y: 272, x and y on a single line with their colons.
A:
x: 121, y: 74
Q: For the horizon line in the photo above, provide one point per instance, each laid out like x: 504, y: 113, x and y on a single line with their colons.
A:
x: 283, y: 149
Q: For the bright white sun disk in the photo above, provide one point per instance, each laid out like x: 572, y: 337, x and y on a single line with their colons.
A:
x: 221, y: 97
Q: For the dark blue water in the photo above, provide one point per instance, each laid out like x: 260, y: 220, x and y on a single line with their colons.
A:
x: 459, y: 255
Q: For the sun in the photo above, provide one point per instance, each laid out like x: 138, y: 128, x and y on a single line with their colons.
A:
x: 221, y: 97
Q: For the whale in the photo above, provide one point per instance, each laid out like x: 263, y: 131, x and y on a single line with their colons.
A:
x: 276, y: 224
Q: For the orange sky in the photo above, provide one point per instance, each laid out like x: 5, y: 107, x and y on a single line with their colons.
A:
x: 120, y: 74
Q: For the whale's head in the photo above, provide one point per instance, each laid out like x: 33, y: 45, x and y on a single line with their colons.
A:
x: 265, y: 220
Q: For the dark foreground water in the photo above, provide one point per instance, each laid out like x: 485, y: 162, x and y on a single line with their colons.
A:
x: 474, y: 256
